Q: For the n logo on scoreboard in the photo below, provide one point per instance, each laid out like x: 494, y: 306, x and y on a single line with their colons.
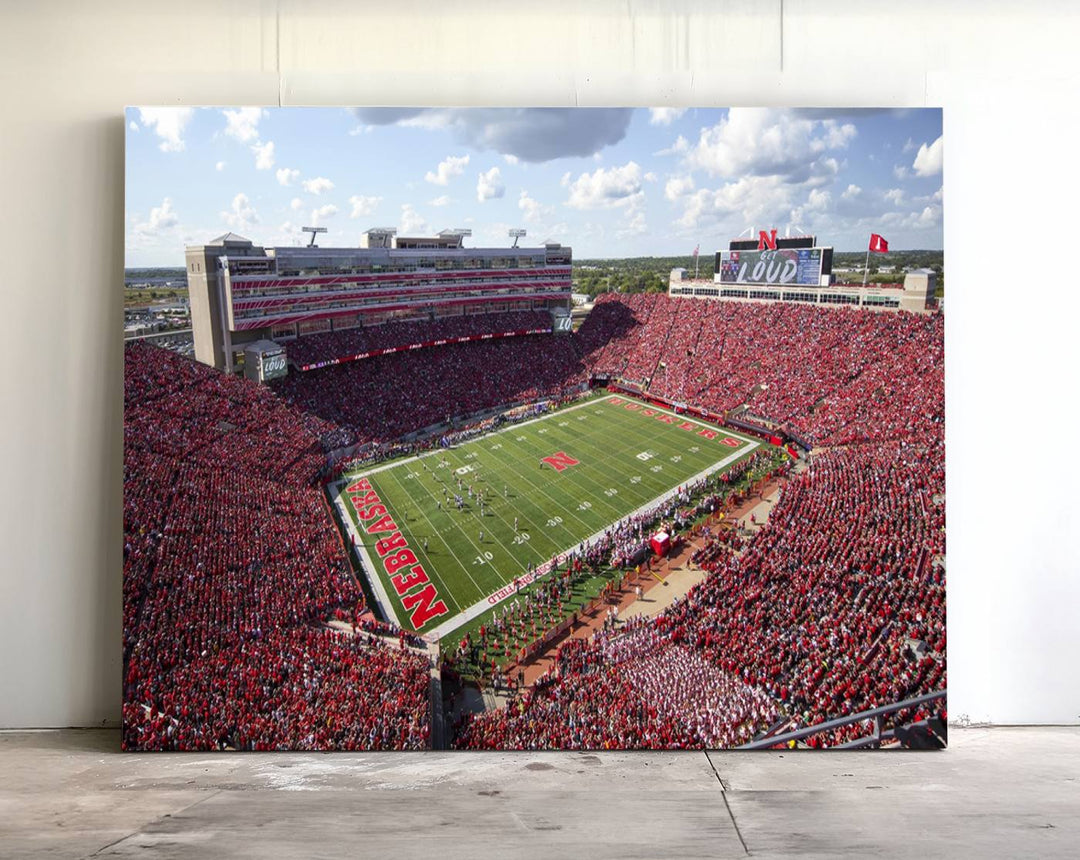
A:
x: 766, y: 240
x: 560, y: 461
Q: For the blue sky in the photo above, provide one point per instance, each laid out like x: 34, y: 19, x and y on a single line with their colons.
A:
x: 608, y: 182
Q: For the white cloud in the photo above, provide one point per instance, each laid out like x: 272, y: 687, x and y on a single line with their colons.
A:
x: 532, y: 209
x: 650, y: 177
x: 852, y: 192
x: 928, y: 159
x: 511, y: 159
x: 818, y: 199
x: 322, y: 213
x: 296, y: 204
x: 606, y: 188
x: 362, y: 205
x: 168, y: 124
x: 634, y: 227
x: 938, y: 195
x: 837, y: 135
x: 162, y: 217
x: 489, y: 185
x: 824, y: 170
x: 291, y: 232
x: 220, y: 166
x: 264, y: 155
x: 452, y: 165
x: 443, y: 200
x: 769, y: 142
x: 243, y: 124
x: 565, y: 181
x: 287, y: 175
x: 749, y: 200
x: 241, y: 214
x: 133, y: 126
x: 909, y: 146
x: 664, y: 115
x: 412, y: 223
x: 895, y: 196
x: 680, y: 146
x: 930, y: 216
x: 697, y: 205
x: 899, y: 171
x: 677, y: 186
x: 926, y: 219
x: 317, y: 185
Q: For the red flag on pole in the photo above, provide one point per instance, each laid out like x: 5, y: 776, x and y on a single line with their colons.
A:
x: 878, y: 244
x: 698, y: 248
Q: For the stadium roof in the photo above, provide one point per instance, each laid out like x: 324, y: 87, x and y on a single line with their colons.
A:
x: 230, y: 239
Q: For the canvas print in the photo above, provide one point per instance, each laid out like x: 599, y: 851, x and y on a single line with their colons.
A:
x: 523, y: 429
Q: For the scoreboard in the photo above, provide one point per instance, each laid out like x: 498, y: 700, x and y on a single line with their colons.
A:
x: 272, y: 365
x: 265, y: 360
x: 783, y: 266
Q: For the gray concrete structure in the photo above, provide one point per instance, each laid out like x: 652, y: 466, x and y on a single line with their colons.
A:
x: 995, y: 793
x: 212, y: 337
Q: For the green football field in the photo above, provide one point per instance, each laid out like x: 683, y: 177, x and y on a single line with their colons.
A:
x: 547, y: 484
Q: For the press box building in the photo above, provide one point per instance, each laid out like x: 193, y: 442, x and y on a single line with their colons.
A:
x: 242, y: 293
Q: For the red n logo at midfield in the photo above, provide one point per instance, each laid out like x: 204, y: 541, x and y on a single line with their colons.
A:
x: 766, y: 240
x: 560, y: 461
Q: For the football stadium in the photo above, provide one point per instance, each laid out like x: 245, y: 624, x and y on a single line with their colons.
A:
x: 404, y: 498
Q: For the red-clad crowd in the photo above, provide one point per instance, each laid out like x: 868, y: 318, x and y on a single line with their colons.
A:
x: 835, y: 606
x: 180, y: 409
x: 295, y: 688
x: 343, y: 345
x: 822, y: 607
x: 231, y: 567
x: 382, y: 398
x: 631, y: 688
x: 833, y: 376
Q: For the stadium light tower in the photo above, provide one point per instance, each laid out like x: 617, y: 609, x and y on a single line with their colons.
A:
x: 516, y: 234
x: 312, y: 231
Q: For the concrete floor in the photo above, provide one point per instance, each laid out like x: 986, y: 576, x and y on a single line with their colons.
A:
x: 1005, y: 792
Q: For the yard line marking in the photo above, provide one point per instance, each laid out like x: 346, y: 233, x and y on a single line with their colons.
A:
x: 510, y: 552
x: 446, y: 588
x: 592, y: 401
x: 596, y: 489
x: 481, y: 606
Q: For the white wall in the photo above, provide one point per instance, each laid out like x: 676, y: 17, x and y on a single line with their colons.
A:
x: 1006, y: 81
